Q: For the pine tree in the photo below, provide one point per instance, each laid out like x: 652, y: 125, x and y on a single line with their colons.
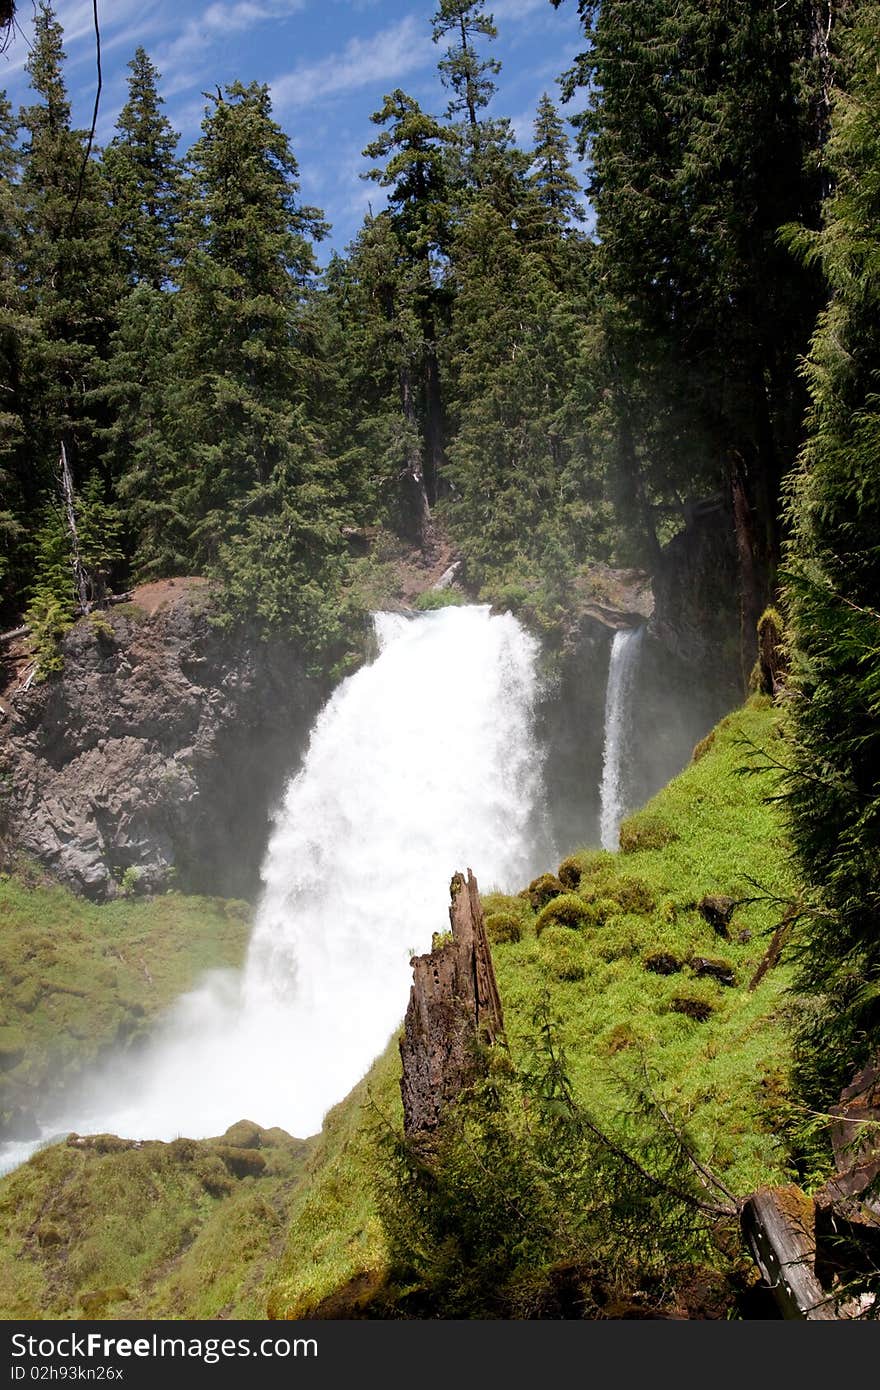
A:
x: 248, y: 262
x: 525, y: 504
x: 701, y: 145
x: 476, y: 140
x: 555, y: 186
x: 68, y: 269
x: 14, y: 490
x: 143, y: 177
x: 833, y: 584
x: 414, y: 146
x: 463, y: 71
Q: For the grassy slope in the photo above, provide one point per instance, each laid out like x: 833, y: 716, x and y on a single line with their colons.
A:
x: 726, y: 1075
x: 311, y: 1236
x: 79, y: 979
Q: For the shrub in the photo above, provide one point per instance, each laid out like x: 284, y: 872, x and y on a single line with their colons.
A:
x: 568, y: 910
x: 563, y: 953
x: 502, y: 927
x: 542, y: 889
x: 582, y: 864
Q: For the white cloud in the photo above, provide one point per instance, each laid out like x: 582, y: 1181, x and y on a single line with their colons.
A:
x: 516, y: 9
x: 382, y: 58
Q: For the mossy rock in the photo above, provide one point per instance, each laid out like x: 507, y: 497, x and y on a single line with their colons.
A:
x: 645, y: 831
x: 502, y: 927
x: 96, y: 1302
x: 698, y: 1009
x: 244, y: 1135
x: 582, y: 864
x: 663, y: 963
x: 568, y: 910
x: 633, y: 895
x: 241, y: 1163
x: 563, y: 954
x: 102, y: 1144
x: 542, y: 889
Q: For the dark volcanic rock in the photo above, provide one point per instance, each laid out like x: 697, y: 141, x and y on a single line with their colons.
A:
x: 157, y: 753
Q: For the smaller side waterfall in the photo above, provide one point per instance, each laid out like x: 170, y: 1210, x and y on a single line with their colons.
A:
x: 618, y: 724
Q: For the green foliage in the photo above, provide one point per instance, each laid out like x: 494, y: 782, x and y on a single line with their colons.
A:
x: 567, y: 910
x: 503, y: 926
x: 433, y: 599
x: 518, y: 1183
x: 593, y: 1230
x: 833, y: 580
x: 81, y: 979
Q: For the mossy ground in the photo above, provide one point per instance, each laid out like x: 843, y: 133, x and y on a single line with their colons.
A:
x: 79, y: 979
x: 725, y: 1077
x: 316, y: 1241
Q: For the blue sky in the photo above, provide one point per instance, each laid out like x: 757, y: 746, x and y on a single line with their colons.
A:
x: 328, y: 63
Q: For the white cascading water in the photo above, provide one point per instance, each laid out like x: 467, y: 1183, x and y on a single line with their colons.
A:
x: 422, y: 763
x: 618, y: 718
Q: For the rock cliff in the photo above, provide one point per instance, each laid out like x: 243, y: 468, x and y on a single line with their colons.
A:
x: 155, y: 757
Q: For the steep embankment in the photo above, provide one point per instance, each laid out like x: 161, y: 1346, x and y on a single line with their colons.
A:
x: 80, y: 981
x: 156, y: 754
x: 639, y: 978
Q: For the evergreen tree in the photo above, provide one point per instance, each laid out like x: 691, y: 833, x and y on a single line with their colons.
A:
x: 526, y: 502
x: 143, y: 176
x: 13, y: 461
x: 833, y: 586
x: 71, y: 289
x: 463, y: 71
x: 554, y: 184
x: 239, y: 365
x: 415, y: 173
x: 701, y: 145
x: 476, y: 141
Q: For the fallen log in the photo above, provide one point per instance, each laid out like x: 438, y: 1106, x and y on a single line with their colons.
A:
x: 779, y: 1227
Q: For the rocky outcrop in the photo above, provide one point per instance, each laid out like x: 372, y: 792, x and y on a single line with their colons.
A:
x: 156, y: 755
x: 454, y: 1013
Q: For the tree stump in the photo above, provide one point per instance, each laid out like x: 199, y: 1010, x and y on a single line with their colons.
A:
x: 454, y: 1014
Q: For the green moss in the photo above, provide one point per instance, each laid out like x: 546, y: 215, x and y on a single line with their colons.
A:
x: 542, y: 889
x: 645, y: 831
x: 502, y: 927
x: 583, y: 864
x: 563, y: 953
x: 568, y: 910
x: 80, y: 978
x: 183, y: 1236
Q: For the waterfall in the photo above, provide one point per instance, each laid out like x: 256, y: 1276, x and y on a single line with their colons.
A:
x: 421, y: 763
x: 618, y: 722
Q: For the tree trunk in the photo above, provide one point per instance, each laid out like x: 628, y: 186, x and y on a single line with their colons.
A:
x: 80, y: 575
x: 454, y: 1014
x: 750, y: 590
x: 413, y: 471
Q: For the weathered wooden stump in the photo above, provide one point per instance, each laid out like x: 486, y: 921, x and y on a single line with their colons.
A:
x: 454, y: 1013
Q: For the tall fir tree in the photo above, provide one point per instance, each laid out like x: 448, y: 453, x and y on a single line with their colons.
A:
x: 414, y: 146
x: 69, y: 274
x: 702, y: 144
x: 555, y: 186
x: 833, y: 588
x: 143, y: 177
x: 14, y: 464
